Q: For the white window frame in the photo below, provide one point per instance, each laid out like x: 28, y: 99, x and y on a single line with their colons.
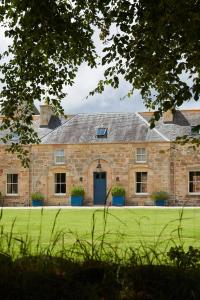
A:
x: 141, y: 155
x: 141, y: 182
x: 58, y: 154
x: 192, y: 193
x: 12, y: 183
x: 59, y: 182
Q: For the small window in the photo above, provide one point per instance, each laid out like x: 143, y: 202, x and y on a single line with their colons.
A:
x: 141, y: 182
x: 101, y: 132
x: 12, y: 184
x: 141, y: 155
x: 194, y: 182
x: 59, y: 157
x: 195, y: 130
x: 60, y: 183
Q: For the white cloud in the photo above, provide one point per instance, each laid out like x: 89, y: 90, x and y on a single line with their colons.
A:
x: 87, y: 79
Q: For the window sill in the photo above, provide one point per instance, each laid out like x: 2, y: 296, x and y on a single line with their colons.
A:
x: 193, y: 194
x: 141, y: 194
x: 12, y: 195
x: 141, y: 162
x: 60, y: 195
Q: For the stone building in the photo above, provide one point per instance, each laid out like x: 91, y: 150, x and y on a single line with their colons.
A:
x: 100, y: 150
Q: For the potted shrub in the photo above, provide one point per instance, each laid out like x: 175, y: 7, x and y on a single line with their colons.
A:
x: 160, y: 198
x: 37, y: 199
x: 118, y: 195
x: 77, y: 193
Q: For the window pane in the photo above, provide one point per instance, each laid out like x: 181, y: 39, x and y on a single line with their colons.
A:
x: 63, y: 188
x: 14, y: 189
x: 63, y: 177
x: 138, y: 188
x: 138, y: 176
x: 9, y: 178
x: 191, y: 174
x: 9, y: 189
x: 15, y: 178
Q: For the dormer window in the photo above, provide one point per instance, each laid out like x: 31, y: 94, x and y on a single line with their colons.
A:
x: 101, y: 132
x: 195, y: 130
x: 59, y: 157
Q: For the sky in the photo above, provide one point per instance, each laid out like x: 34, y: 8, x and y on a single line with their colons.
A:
x: 109, y: 101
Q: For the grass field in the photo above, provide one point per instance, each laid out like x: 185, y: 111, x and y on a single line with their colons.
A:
x: 124, y: 228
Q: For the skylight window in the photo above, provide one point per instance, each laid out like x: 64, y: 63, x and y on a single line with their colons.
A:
x: 101, y: 132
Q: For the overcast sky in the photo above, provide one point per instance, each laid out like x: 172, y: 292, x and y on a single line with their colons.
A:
x: 109, y: 101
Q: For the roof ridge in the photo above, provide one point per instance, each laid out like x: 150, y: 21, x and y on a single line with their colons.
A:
x: 156, y: 130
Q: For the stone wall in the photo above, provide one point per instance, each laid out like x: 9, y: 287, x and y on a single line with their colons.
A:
x: 185, y: 159
x: 117, y: 160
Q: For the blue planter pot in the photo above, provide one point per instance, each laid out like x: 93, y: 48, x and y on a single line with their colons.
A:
x: 76, y: 200
x: 37, y: 203
x: 160, y: 202
x: 118, y: 200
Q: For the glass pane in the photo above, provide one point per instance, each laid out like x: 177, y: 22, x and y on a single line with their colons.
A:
x: 9, y: 189
x: 63, y: 177
x: 191, y: 190
x: 144, y: 177
x: 9, y: 178
x: 138, y: 176
x: 101, y: 131
x: 138, y: 188
x: 144, y: 188
x: 57, y: 188
x: 14, y: 189
x: 15, y: 178
x: 191, y: 174
x: 63, y: 188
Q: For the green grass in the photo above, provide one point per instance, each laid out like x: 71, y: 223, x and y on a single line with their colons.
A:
x: 125, y: 227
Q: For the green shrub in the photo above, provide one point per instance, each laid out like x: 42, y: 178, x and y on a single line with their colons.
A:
x: 118, y: 191
x: 77, y: 191
x: 162, y: 195
x: 37, y: 196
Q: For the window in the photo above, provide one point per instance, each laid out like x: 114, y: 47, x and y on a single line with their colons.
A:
x: 59, y: 157
x: 12, y: 184
x: 101, y: 132
x: 141, y: 182
x: 60, y: 183
x: 141, y: 155
x: 195, y: 130
x: 194, y: 182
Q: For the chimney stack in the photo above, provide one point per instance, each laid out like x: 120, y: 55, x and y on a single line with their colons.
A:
x: 45, y: 113
x: 168, y: 117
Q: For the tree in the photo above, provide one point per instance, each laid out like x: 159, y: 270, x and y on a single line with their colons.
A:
x: 155, y: 45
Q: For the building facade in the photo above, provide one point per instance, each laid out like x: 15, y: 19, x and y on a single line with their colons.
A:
x: 98, y: 151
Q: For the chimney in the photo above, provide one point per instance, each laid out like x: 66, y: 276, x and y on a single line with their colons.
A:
x: 45, y: 113
x: 168, y: 116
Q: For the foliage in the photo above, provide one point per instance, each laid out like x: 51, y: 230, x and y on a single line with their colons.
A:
x: 162, y: 195
x: 184, y: 259
x: 77, y: 191
x: 155, y: 48
x: 153, y: 44
x: 117, y: 191
x: 37, y: 196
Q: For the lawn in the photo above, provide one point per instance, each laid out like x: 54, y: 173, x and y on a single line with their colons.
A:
x: 125, y: 227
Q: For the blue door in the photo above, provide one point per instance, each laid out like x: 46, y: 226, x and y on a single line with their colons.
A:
x: 99, y: 188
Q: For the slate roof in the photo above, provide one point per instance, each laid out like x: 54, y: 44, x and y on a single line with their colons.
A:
x: 121, y: 127
x: 182, y: 122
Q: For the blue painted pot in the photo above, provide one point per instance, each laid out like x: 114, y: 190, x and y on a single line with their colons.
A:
x: 37, y: 203
x: 160, y: 202
x: 118, y: 200
x: 76, y: 200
